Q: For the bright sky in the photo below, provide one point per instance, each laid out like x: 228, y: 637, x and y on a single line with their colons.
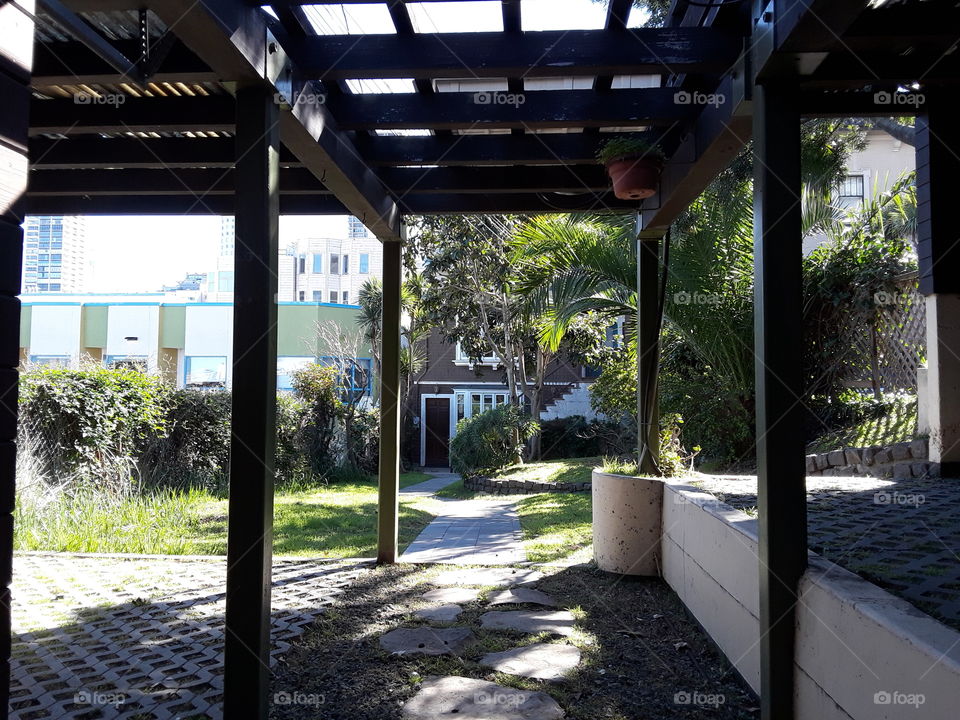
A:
x: 141, y: 254
x: 144, y: 253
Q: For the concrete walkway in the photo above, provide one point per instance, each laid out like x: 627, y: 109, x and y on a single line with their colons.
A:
x: 428, y: 487
x: 469, y: 532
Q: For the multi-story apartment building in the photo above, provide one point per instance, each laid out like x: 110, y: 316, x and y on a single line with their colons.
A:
x: 54, y: 253
x: 328, y: 270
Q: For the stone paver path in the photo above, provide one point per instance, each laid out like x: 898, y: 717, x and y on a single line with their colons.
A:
x: 141, y: 636
x: 541, y: 661
x: 429, y: 487
x: 470, y: 532
x: 440, y: 698
x: 900, y: 534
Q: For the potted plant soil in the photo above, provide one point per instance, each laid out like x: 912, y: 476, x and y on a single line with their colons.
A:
x: 633, y: 165
x: 626, y: 520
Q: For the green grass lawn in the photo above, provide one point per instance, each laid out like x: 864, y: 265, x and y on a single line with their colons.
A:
x: 572, y: 470
x: 331, y: 521
x: 899, y: 424
x: 557, y: 526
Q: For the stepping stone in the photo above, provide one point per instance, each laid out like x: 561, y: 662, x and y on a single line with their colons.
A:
x: 451, y: 595
x: 521, y: 595
x: 440, y: 613
x: 442, y: 698
x: 542, y: 661
x: 498, y: 577
x: 558, y: 622
x: 426, y: 640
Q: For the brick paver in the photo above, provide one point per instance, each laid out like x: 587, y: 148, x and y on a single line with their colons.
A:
x: 108, y: 636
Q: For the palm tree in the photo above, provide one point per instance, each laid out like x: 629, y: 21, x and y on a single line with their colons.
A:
x: 370, y: 319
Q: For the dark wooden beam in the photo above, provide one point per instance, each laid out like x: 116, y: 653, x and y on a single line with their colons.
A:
x: 528, y: 149
x: 515, y: 54
x: 92, y: 152
x: 72, y: 63
x: 540, y: 109
x: 253, y: 423
x: 388, y: 470
x: 309, y: 204
x: 781, y: 495
x: 882, y: 101
x: 234, y: 40
x: 123, y: 114
x: 300, y: 181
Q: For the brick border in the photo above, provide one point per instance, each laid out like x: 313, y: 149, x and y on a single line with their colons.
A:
x: 897, y: 461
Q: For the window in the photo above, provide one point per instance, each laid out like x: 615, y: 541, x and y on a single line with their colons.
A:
x: 333, y: 296
x: 318, y: 296
x: 470, y: 403
x: 56, y: 360
x: 346, y: 297
x: 302, y: 295
x: 127, y: 362
x: 286, y: 366
x: 346, y: 264
x: 462, y: 358
x: 850, y: 193
x: 302, y: 264
x: 334, y: 264
x: 317, y: 263
x: 356, y: 375
x: 364, y: 263
x: 205, y: 371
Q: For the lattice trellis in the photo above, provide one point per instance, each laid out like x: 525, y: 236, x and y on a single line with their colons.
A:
x: 891, y: 343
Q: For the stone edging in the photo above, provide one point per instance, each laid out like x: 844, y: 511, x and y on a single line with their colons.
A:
x: 521, y: 487
x: 898, y: 461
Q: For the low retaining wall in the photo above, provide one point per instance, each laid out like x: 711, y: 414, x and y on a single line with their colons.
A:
x: 522, y: 487
x: 898, y: 461
x: 862, y: 654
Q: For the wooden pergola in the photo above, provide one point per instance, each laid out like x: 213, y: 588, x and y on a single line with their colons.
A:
x: 219, y: 106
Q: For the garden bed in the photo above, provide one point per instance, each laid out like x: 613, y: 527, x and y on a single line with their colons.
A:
x: 641, y: 653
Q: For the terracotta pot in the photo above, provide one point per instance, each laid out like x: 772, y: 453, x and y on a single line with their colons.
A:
x: 634, y: 178
x: 627, y: 522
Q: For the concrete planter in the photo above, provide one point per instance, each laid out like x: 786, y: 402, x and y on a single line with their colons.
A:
x: 627, y: 523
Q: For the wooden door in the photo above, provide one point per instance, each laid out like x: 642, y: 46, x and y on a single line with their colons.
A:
x: 437, y: 442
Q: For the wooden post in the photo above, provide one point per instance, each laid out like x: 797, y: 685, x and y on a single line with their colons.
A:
x: 389, y: 470
x: 648, y: 349
x: 780, y: 449
x: 16, y: 47
x: 938, y: 251
x: 253, y: 441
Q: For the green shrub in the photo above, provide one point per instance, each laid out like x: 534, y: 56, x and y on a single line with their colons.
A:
x: 195, y: 450
x: 92, y: 422
x: 576, y: 437
x: 317, y: 387
x: 490, y: 440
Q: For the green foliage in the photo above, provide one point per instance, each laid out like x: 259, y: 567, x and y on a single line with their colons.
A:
x: 92, y: 420
x: 317, y: 388
x: 619, y: 466
x: 614, y: 392
x: 624, y: 146
x: 195, y: 449
x: 858, y: 419
x: 577, y: 437
x: 490, y: 440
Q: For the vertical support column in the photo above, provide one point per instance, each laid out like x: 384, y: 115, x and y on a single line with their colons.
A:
x: 780, y: 452
x: 389, y: 470
x: 253, y: 425
x: 16, y: 55
x: 938, y: 246
x: 648, y: 349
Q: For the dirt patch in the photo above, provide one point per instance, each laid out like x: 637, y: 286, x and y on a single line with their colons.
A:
x: 644, y: 657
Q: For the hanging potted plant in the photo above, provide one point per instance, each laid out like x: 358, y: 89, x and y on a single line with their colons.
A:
x: 633, y: 165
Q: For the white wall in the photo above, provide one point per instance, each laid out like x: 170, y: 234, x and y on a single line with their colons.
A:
x: 136, y: 321
x: 55, y: 330
x: 575, y: 402
x: 856, y: 643
x: 209, y: 332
